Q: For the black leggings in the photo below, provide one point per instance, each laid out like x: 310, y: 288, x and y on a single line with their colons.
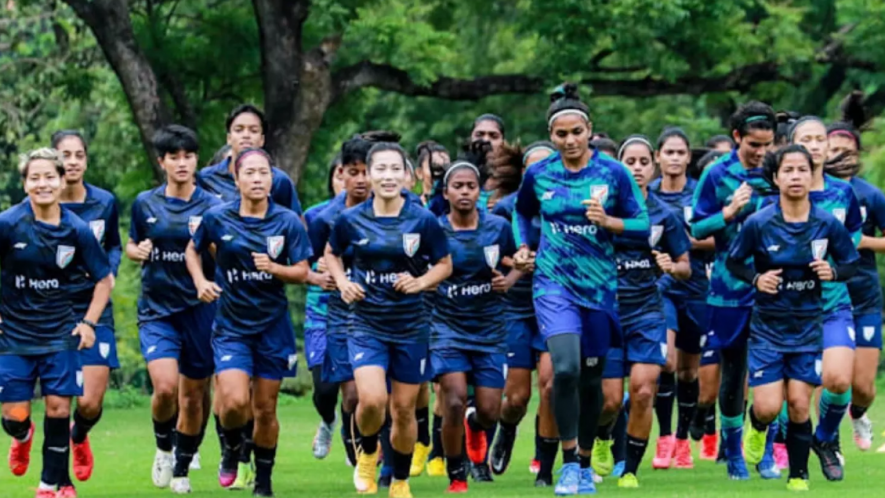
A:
x: 577, y: 389
x: 325, y: 395
x: 731, y: 388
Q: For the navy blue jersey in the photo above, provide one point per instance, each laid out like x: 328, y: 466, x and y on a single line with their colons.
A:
x: 697, y: 286
x: 317, y: 300
x: 791, y: 320
x: 467, y: 313
x: 320, y: 229
x: 169, y: 223
x: 38, y: 264
x: 217, y: 180
x: 383, y: 248
x: 518, y: 300
x: 864, y: 288
x: 251, y: 300
x: 99, y: 210
x: 637, y: 270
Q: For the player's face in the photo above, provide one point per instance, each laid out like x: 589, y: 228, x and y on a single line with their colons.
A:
x: 245, y: 131
x: 840, y: 144
x: 73, y: 155
x: 356, y: 183
x: 674, y: 156
x: 179, y: 166
x: 813, y: 136
x: 570, y: 133
x: 638, y: 160
x: 536, y: 156
x: 388, y: 174
x: 794, y: 176
x: 488, y: 131
x: 338, y: 180
x: 753, y: 146
x: 43, y: 183
x: 435, y: 162
x: 255, y: 177
x: 462, y: 190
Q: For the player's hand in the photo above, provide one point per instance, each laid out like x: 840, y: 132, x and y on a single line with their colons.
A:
x: 263, y: 262
x: 407, y: 284
x: 352, y: 292
x: 769, y: 281
x: 524, y: 260
x: 86, y: 334
x: 321, y: 266
x: 664, y: 261
x: 499, y: 282
x: 823, y: 269
x: 740, y: 199
x: 325, y: 281
x: 208, y: 291
x: 143, y: 250
x: 596, y: 213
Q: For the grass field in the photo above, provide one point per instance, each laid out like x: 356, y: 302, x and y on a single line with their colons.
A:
x: 124, y: 450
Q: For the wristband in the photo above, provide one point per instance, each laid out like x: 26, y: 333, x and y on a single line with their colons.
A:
x: 90, y: 323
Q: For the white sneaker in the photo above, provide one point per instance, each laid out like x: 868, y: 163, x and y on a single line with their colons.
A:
x: 322, y: 441
x: 162, y: 471
x: 180, y: 485
x: 863, y: 432
x: 195, y: 463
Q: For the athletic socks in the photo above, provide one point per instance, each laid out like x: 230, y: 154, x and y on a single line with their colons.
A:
x: 163, y: 433
x: 436, y: 450
x: 202, y: 433
x: 350, y: 435
x: 635, y: 451
x: 857, y: 411
x: 783, y: 420
x: 219, y: 430
x: 423, y: 417
x: 664, y: 402
x: 756, y: 423
x: 369, y: 444
x: 732, y: 433
x: 82, y: 426
x: 185, y: 449
x: 56, y: 449
x: 20, y: 431
x: 832, y: 408
x: 537, y: 438
x: 248, y: 443
x: 619, y: 434
x: 710, y: 420
x: 384, y: 441
x: 569, y: 456
x: 547, y: 456
x: 264, y: 462
x: 490, y: 436
x: 687, y: 403
x: 456, y: 469
x: 798, y: 447
x: 401, y: 464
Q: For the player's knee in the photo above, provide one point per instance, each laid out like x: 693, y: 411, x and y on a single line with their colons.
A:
x: 837, y: 382
x: 642, y: 396
x: 265, y: 413
x: 686, y: 373
x: 798, y: 407
x: 863, y: 392
x: 518, y: 399
x: 545, y: 389
x: 89, y: 406
x: 191, y: 403
x: 453, y: 407
x: 612, y: 403
x: 235, y: 402
x: 58, y: 407
x: 349, y: 397
x: 373, y: 407
x: 165, y: 391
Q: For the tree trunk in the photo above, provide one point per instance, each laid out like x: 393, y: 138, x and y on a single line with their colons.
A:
x: 110, y: 23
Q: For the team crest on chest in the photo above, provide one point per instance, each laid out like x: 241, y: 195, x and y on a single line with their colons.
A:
x: 599, y: 192
x: 193, y: 223
x: 411, y: 243
x: 275, y: 245
x: 839, y: 213
x: 64, y: 255
x: 493, y: 255
x: 819, y: 248
x: 97, y: 227
x: 655, y: 236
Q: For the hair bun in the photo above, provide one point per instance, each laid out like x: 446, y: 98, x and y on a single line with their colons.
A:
x: 565, y: 91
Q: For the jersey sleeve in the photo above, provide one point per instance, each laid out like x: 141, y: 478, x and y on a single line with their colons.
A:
x: 853, y: 216
x: 707, y: 216
x: 876, y: 210
x: 95, y: 260
x: 299, y: 244
x: 741, y: 249
x: 136, y: 233
x: 204, y: 233
x: 631, y: 207
x: 113, y: 245
x: 675, y: 236
x: 525, y: 208
x: 842, y: 251
x: 508, y: 245
x: 339, y: 238
x: 437, y: 243
x: 318, y: 230
x: 284, y: 192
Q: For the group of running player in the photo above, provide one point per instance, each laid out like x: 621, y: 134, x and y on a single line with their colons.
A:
x: 590, y: 261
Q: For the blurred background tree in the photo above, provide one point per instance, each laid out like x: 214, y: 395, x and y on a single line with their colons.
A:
x: 325, y: 69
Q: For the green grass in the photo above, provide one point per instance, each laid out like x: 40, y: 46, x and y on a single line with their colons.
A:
x: 124, y: 450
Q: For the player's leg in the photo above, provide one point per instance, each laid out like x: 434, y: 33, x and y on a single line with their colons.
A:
x: 18, y: 375
x: 863, y: 390
x: 666, y: 396
x: 799, y: 433
x: 266, y: 392
x: 548, y: 432
x: 370, y: 376
x: 517, y: 391
x: 613, y: 399
x: 453, y: 401
x: 837, y: 376
x: 422, y: 418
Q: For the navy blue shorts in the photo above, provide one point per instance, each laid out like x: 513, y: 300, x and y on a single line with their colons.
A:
x: 185, y: 336
x: 645, y: 341
x: 314, y: 346
x: 839, y: 330
x: 869, y: 330
x: 766, y: 366
x: 689, y: 319
x: 59, y: 374
x: 730, y: 326
x: 403, y: 362
x: 524, y: 342
x: 336, y: 361
x: 482, y: 369
x: 557, y: 315
x: 104, y: 352
x: 269, y: 354
x: 709, y: 356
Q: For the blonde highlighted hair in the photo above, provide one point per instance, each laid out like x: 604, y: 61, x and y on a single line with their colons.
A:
x: 44, y: 153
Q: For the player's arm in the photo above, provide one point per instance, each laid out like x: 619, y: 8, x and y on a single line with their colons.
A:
x: 138, y: 247
x: 738, y: 261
